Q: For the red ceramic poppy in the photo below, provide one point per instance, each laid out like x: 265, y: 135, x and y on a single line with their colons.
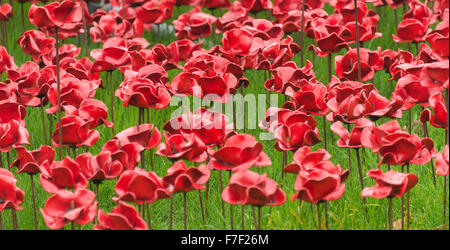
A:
x: 92, y: 110
x: 211, y: 127
x: 61, y: 174
x: 30, y: 161
x: 239, y: 153
x: 304, y: 158
x: 113, y: 54
x: 412, y: 92
x: 435, y: 74
x: 128, y: 155
x: 140, y: 186
x: 183, y: 146
x: 6, y: 12
x: 6, y: 61
x: 181, y: 179
x: 181, y: 50
x: 322, y: 182
x: 250, y: 188
x: 143, y: 93
x: 346, y: 66
x: 437, y: 118
x: 411, y: 30
x: 75, y: 132
x: 389, y: 184
x: 99, y: 167
x: 310, y: 98
x: 400, y: 148
x: 66, y: 16
x: 122, y: 217
x: 194, y: 24
x: 65, y: 50
x: 372, y: 136
x: 233, y: 18
x: 81, y: 69
x: 11, y: 196
x: 146, y: 135
x: 290, y: 76
x: 257, y: 5
x: 442, y: 162
x: 213, y: 4
x: 438, y: 38
x: 36, y: 44
x: 64, y: 207
x: 350, y: 139
x: 12, y: 133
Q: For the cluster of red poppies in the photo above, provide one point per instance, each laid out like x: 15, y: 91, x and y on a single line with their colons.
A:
x: 58, y: 77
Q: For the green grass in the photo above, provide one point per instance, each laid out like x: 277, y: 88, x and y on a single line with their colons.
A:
x: 345, y: 213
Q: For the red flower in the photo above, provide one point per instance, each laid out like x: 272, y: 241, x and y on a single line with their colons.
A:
x: 250, y: 188
x: 412, y: 92
x: 353, y: 139
x: 61, y: 174
x: 347, y: 65
x: 439, y: 116
x: 304, y: 158
x: 143, y: 93
x: 81, y: 69
x: 435, y: 74
x: 194, y: 24
x: 10, y: 196
x: 442, y: 162
x: 372, y: 136
x: 310, y: 98
x: 122, y: 217
x: 233, y: 18
x: 240, y: 153
x: 209, y: 126
x: 181, y: 179
x: 411, y: 30
x: 75, y: 132
x: 128, y: 155
x: 329, y: 39
x: 389, y: 184
x: 149, y: 12
x: 64, y: 207
x: 182, y: 50
x: 12, y: 133
x: 100, y: 167
x: 30, y: 161
x: 113, y: 54
x: 6, y: 12
x: 400, y: 148
x: 183, y: 146
x: 237, y: 42
x: 290, y: 76
x: 6, y: 61
x: 66, y: 16
x: 213, y: 4
x: 90, y: 110
x: 146, y: 135
x: 36, y: 44
x: 257, y: 5
x: 140, y: 186
x: 321, y: 182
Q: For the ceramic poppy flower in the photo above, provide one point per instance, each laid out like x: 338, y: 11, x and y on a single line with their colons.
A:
x: 400, y: 148
x: 250, y: 188
x: 65, y: 50
x: 6, y: 12
x: 211, y: 127
x: 264, y: 29
x: 350, y: 139
x: 128, y: 155
x: 372, y: 136
x: 273, y: 55
x: 81, y: 69
x: 439, y: 37
x: 310, y: 98
x: 389, y: 184
x: 182, y: 146
x: 306, y: 159
x: 214, y: 4
x: 194, y: 24
x: 182, y: 50
x: 320, y: 183
x: 12, y: 133
x: 61, y: 174
x: 435, y: 74
x: 30, y: 161
x: 290, y: 76
x: 11, y: 196
x: 437, y: 118
x: 64, y: 207
x: 72, y: 92
x: 146, y: 135
x: 99, y: 167
x: 122, y: 217
x: 442, y: 162
x: 257, y: 5
x: 329, y: 40
x: 239, y: 153
x: 181, y: 179
x: 149, y: 12
x: 346, y: 66
x: 66, y: 16
x: 237, y: 42
x: 233, y: 18
x: 377, y: 106
x: 140, y: 186
x: 36, y: 44
x: 411, y: 30
x: 412, y: 92
x: 113, y: 54
x: 6, y: 61
x: 392, y: 58
x: 75, y: 132
x: 143, y: 93
x: 92, y: 110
